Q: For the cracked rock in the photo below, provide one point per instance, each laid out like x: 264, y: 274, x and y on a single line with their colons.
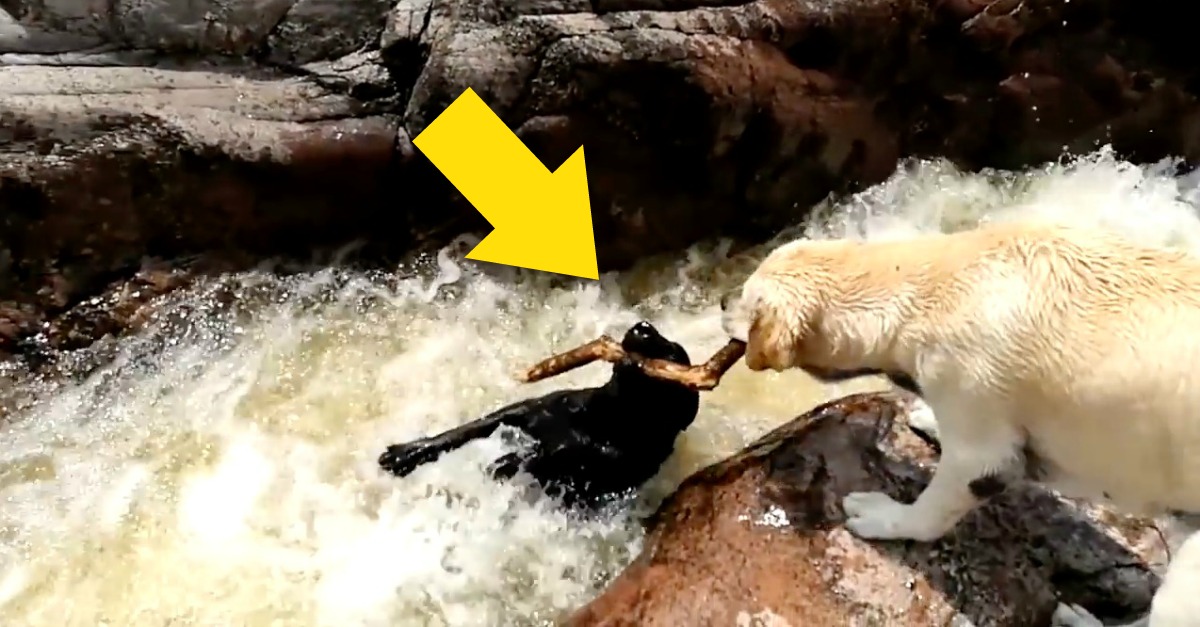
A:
x: 757, y: 539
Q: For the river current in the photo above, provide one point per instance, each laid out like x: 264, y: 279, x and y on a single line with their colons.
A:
x: 221, y: 469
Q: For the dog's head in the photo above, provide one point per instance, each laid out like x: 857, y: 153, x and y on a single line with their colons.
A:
x: 672, y: 406
x: 645, y: 340
x: 774, y: 332
x: 798, y: 310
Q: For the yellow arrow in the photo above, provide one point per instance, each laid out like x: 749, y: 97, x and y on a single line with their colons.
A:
x: 540, y: 220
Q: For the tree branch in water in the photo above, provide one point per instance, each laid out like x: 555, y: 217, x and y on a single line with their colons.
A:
x: 705, y: 376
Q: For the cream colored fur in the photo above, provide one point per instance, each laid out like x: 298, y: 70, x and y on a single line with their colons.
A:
x: 1067, y: 341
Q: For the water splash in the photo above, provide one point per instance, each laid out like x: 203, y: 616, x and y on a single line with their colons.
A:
x: 221, y: 469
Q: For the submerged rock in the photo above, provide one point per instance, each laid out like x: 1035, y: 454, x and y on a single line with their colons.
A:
x: 757, y: 539
x: 258, y: 129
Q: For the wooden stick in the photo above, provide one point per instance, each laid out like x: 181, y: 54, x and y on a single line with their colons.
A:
x: 604, y: 348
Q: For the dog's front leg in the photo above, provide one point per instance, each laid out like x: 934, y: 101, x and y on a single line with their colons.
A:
x: 978, y: 453
x: 922, y: 418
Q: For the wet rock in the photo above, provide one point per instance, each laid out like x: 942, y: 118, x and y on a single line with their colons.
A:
x: 757, y: 539
x: 101, y: 169
x: 124, y: 305
x: 273, y: 127
x: 734, y: 117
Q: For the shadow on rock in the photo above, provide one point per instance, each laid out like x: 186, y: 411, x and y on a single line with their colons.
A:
x: 758, y: 539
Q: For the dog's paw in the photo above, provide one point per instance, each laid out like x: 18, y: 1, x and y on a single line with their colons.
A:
x: 1068, y: 615
x: 875, y: 515
x: 921, y: 418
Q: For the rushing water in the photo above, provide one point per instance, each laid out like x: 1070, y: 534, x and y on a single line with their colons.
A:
x: 221, y: 471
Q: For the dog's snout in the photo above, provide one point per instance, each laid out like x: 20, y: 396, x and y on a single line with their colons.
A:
x: 732, y: 317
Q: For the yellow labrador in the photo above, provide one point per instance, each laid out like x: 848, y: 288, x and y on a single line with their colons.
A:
x: 1063, y: 355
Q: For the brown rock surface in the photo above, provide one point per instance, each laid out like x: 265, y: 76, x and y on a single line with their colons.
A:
x: 163, y: 128
x: 102, y: 171
x: 757, y: 540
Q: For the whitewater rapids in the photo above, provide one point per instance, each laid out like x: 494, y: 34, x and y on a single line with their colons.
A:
x: 221, y: 470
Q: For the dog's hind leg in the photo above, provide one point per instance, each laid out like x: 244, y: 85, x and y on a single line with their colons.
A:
x: 979, y: 453
x: 1177, y: 601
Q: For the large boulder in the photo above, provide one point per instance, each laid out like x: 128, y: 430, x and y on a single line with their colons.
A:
x: 758, y: 540
x: 165, y: 128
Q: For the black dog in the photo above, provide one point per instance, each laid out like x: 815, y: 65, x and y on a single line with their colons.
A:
x: 590, y: 445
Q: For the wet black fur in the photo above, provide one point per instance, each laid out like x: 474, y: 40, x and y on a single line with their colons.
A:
x: 589, y: 445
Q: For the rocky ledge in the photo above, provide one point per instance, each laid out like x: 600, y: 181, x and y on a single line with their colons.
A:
x: 142, y: 130
x: 757, y: 540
